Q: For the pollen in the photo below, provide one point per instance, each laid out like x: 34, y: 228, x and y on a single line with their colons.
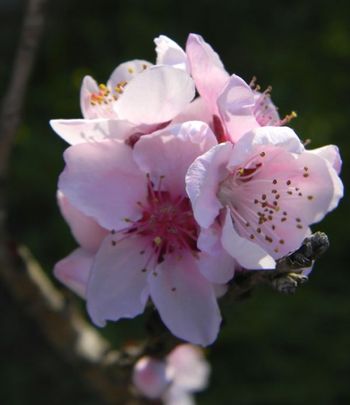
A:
x: 119, y: 88
x: 102, y: 97
x: 157, y: 240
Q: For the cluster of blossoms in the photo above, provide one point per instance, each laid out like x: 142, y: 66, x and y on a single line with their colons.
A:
x: 169, y: 195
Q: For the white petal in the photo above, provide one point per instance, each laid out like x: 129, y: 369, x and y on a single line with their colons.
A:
x: 82, y: 130
x: 170, y: 53
x: 156, y: 95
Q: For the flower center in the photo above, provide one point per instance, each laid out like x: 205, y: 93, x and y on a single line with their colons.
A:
x: 261, y: 205
x: 167, y: 222
x: 103, y: 96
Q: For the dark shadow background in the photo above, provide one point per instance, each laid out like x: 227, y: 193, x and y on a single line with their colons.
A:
x: 273, y: 349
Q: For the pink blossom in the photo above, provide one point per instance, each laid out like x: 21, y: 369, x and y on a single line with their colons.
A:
x: 183, y: 372
x: 137, y: 99
x: 262, y: 193
x: 235, y: 107
x: 138, y: 196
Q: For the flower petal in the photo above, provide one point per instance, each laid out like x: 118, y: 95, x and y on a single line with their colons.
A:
x: 217, y: 268
x: 126, y: 72
x: 88, y: 87
x: 170, y: 53
x: 90, y: 108
x: 323, y: 187
x: 283, y: 137
x: 82, y: 130
x: 189, y: 369
x: 74, y: 270
x: 102, y: 180
x: 207, y: 70
x: 331, y: 154
x: 197, y: 110
x: 87, y: 232
x: 185, y: 300
x: 248, y: 254
x: 156, y: 95
x: 236, y: 107
x: 150, y: 377
x: 169, y: 153
x: 202, y: 182
x: 117, y: 280
x: 214, y: 262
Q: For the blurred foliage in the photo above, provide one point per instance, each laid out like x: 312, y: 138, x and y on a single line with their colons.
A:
x: 273, y: 349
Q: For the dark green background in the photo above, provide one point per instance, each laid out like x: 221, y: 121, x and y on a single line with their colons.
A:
x: 273, y: 349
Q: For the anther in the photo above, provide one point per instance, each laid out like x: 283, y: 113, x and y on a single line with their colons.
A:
x: 269, y: 239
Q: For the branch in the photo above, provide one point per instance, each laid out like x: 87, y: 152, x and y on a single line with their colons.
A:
x: 106, y: 370
x: 12, y: 103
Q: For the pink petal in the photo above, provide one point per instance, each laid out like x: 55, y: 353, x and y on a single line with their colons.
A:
x: 197, y: 110
x: 202, y: 182
x: 169, y: 153
x: 118, y: 280
x: 156, y: 95
x: 185, y: 300
x: 74, y: 270
x: 331, y: 154
x: 265, y: 111
x: 88, y: 86
x: 102, y: 180
x: 236, y: 106
x: 323, y: 188
x: 82, y: 130
x: 126, y: 72
x: 207, y: 70
x: 217, y: 268
x: 150, y: 377
x: 209, y: 239
x: 214, y: 262
x: 248, y: 254
x: 85, y: 230
x: 189, y: 369
x: 280, y: 195
x: 283, y: 137
x: 89, y: 108
x: 170, y: 53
